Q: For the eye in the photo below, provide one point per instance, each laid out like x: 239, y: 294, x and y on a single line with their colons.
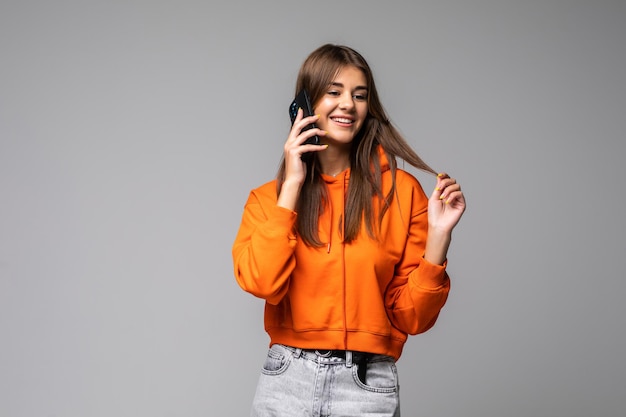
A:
x: 333, y: 93
x: 360, y: 97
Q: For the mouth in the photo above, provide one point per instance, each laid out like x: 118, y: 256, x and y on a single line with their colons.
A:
x: 342, y: 120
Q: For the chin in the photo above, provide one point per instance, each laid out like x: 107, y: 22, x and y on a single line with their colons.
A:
x: 342, y: 137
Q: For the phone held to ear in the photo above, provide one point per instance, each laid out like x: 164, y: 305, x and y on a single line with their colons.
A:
x: 303, y: 101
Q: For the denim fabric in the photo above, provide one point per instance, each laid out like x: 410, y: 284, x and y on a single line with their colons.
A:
x: 298, y: 383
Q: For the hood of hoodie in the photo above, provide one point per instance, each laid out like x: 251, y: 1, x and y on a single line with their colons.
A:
x: 344, y: 176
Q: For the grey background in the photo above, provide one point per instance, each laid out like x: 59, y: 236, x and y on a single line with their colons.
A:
x: 131, y: 132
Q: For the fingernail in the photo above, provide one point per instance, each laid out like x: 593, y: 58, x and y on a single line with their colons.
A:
x: 437, y: 189
x: 441, y: 197
x: 439, y: 175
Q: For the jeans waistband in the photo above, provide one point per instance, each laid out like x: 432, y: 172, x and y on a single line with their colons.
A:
x: 337, y: 356
x: 341, y: 354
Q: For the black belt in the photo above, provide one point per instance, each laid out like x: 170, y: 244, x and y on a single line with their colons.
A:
x: 326, y: 353
x: 358, y: 358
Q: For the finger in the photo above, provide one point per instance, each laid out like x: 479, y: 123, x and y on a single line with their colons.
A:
x: 440, y: 178
x: 455, y: 198
x: 312, y: 148
x: 443, y: 180
x: 305, y: 121
x: 298, y: 117
x: 297, y: 120
x: 436, y: 194
x: 298, y: 128
x: 298, y: 147
x: 446, y: 182
x: 307, y: 134
x: 448, y: 189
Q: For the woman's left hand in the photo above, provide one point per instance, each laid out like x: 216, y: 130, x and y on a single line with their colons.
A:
x: 446, y: 204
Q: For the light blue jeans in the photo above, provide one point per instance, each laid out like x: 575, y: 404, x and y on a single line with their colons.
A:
x: 297, y: 383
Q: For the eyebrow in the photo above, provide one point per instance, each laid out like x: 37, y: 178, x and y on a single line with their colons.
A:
x: 358, y: 87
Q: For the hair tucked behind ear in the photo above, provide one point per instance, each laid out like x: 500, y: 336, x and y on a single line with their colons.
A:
x: 316, y: 74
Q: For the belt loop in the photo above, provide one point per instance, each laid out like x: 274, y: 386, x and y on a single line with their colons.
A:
x: 297, y: 353
x: 348, y: 359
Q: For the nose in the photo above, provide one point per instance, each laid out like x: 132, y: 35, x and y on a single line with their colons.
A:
x: 347, y: 102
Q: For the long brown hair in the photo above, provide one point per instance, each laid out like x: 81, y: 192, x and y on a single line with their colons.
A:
x: 315, y: 75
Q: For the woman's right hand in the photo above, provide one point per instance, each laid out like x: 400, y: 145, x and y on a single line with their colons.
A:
x: 295, y: 167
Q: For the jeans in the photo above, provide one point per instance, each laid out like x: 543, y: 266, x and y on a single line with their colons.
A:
x: 297, y: 383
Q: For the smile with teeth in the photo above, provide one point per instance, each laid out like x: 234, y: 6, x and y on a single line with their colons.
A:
x: 342, y: 120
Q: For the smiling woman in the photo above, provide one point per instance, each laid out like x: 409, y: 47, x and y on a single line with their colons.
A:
x: 342, y: 112
x: 345, y: 248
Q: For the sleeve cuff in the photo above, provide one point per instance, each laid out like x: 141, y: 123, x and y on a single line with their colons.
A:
x: 283, y: 220
x: 429, y: 275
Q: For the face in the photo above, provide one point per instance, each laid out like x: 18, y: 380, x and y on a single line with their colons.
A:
x: 343, y: 108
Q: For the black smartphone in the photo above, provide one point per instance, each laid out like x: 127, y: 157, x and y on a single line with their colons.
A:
x: 303, y: 101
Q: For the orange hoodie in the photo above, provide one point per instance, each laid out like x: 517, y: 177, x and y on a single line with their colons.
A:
x: 366, y: 295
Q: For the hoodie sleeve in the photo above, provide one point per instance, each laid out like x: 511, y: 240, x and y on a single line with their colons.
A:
x: 419, y: 289
x: 263, y: 251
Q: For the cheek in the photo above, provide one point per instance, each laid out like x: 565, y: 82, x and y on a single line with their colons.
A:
x: 363, y: 115
x: 321, y: 123
x: 322, y: 107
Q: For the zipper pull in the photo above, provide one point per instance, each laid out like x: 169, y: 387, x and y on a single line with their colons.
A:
x: 328, y: 248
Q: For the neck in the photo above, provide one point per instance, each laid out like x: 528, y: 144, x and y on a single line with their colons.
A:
x: 334, y: 161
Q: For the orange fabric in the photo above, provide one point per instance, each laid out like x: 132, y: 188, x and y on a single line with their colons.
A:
x: 364, y: 296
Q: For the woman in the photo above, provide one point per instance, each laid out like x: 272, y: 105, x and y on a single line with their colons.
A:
x: 345, y: 248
